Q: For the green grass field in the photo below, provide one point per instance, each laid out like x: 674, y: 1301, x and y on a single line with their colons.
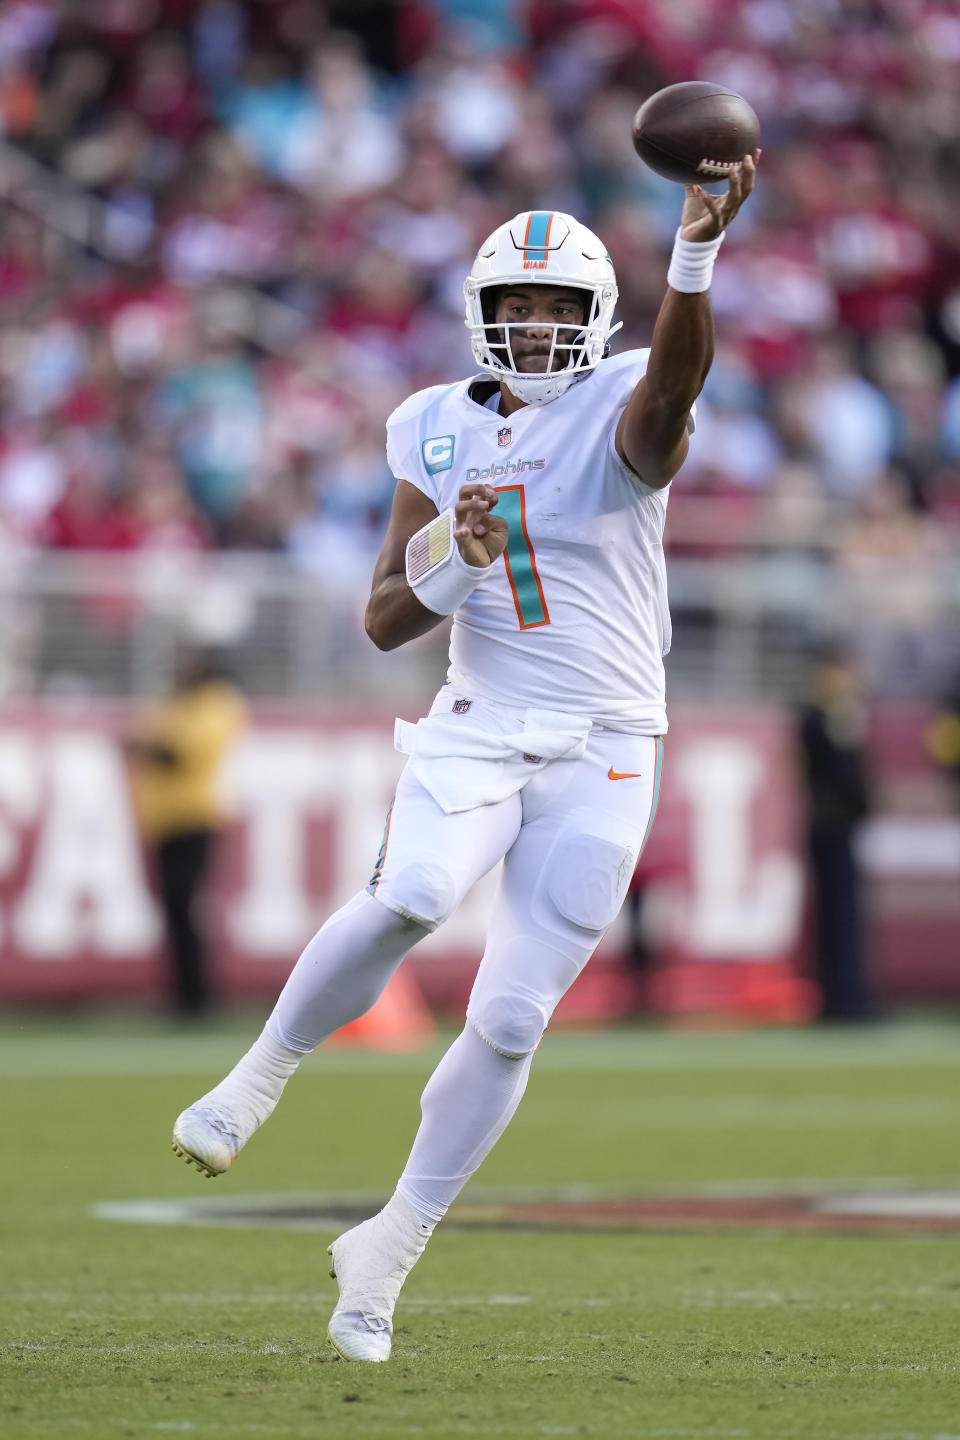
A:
x: 112, y: 1329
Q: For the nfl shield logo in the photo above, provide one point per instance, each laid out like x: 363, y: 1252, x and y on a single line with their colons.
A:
x: 504, y: 436
x: 460, y: 707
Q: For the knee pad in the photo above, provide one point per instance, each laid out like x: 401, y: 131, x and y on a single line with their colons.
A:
x: 511, y: 1023
x: 587, y: 873
x: 425, y: 893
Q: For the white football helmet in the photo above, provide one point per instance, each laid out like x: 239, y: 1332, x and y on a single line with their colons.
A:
x: 541, y: 247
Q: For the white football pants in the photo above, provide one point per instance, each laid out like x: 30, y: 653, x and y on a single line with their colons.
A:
x: 569, y: 840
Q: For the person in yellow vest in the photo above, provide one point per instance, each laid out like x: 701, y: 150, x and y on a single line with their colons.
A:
x: 943, y: 735
x: 175, y: 752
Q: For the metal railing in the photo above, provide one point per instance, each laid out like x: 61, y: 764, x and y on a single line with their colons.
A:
x: 110, y: 625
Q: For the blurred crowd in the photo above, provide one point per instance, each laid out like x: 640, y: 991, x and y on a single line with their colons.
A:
x: 235, y: 234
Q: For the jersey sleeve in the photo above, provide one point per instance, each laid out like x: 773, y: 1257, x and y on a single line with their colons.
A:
x: 405, y: 445
x: 404, y: 461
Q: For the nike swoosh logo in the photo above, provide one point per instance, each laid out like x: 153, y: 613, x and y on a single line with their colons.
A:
x: 623, y: 774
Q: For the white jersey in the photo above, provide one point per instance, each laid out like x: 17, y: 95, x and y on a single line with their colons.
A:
x: 574, y: 615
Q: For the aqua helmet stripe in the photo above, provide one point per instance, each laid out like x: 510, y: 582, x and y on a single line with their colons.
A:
x: 537, y: 237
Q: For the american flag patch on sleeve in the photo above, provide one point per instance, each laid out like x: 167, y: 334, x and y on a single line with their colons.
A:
x: 429, y: 547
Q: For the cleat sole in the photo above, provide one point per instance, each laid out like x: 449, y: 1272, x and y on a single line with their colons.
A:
x: 190, y: 1159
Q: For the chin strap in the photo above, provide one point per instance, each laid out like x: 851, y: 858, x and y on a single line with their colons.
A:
x: 537, y: 391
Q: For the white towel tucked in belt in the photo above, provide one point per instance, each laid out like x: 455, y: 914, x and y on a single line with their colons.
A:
x: 463, y: 766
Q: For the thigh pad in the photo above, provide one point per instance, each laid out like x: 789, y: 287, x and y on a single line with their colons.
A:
x: 587, y: 871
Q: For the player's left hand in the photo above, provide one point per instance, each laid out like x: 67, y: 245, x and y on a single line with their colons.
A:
x: 482, y: 537
x: 704, y: 216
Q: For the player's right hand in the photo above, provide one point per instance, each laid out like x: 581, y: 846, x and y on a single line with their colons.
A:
x: 480, y: 536
x: 706, y: 216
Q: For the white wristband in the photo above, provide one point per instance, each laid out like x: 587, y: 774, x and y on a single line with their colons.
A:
x: 691, y: 264
x: 436, y: 571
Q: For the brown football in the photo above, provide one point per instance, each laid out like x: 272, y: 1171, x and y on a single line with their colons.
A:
x: 695, y: 131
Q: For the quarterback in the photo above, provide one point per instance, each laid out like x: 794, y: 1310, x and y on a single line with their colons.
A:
x: 530, y: 506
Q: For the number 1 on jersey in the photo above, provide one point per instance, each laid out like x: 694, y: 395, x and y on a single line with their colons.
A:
x: 520, y: 560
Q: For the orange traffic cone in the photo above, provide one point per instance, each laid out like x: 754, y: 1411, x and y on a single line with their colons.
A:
x: 399, y: 1022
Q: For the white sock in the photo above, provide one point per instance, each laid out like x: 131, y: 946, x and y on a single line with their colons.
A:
x: 469, y: 1100
x: 253, y: 1087
x: 406, y: 1223
x: 372, y: 1261
x: 342, y: 971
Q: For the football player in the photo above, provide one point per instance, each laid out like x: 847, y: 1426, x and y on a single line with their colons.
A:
x: 530, y: 506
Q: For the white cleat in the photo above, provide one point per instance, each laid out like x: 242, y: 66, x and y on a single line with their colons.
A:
x: 370, y: 1264
x: 206, y: 1137
x: 356, y: 1336
x: 211, y: 1132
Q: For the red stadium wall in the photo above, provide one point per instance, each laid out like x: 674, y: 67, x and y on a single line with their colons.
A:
x: 723, y: 876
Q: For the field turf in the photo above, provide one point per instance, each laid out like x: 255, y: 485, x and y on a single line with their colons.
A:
x: 111, y: 1329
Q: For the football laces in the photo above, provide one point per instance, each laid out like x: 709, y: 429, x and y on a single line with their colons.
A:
x: 716, y: 167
